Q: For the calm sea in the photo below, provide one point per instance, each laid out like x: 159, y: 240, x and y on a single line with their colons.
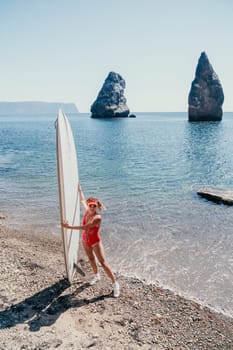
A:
x: 147, y: 171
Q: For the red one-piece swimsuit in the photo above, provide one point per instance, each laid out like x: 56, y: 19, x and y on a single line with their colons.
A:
x: 91, y: 235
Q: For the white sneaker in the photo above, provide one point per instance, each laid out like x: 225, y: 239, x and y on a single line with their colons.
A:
x: 116, y: 290
x: 95, y: 279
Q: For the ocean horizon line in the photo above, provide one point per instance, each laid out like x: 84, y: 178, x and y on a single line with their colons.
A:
x: 79, y: 112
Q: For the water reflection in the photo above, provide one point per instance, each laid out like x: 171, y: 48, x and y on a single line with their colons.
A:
x: 202, y: 149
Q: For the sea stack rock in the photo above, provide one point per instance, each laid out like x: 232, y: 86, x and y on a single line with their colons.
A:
x: 206, y: 95
x: 111, y: 101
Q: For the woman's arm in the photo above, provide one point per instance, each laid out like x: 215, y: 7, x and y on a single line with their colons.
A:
x: 94, y: 223
x: 82, y: 198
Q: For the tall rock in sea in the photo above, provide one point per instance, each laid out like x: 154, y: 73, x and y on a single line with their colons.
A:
x: 111, y: 101
x: 206, y: 95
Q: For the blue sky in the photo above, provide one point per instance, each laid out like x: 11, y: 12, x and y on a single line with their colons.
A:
x: 62, y: 50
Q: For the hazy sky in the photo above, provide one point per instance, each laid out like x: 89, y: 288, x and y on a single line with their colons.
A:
x: 62, y: 50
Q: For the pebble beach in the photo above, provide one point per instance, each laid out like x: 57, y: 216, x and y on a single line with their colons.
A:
x: 40, y: 310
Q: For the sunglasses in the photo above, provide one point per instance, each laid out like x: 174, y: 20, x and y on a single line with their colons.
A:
x: 92, y: 206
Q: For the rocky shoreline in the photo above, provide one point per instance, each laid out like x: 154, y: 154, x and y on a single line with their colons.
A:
x: 39, y: 310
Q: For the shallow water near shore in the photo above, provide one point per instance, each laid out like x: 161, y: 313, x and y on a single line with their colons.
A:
x: 147, y: 171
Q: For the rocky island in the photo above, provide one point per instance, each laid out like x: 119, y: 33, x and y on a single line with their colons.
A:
x: 111, y: 101
x: 206, y: 95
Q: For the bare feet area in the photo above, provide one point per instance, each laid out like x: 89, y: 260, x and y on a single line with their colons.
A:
x: 40, y: 310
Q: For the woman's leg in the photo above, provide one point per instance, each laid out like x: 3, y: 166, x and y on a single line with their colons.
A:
x: 99, y: 252
x: 91, y: 257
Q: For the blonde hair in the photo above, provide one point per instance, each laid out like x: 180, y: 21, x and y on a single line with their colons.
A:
x: 93, y: 200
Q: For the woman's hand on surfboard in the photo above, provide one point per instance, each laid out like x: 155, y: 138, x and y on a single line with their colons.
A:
x: 65, y: 224
x: 79, y: 188
x: 82, y: 198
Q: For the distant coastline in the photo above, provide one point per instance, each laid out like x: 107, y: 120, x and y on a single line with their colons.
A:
x: 36, y: 107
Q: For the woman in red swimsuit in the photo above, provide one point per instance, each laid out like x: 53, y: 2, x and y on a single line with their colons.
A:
x: 92, y: 241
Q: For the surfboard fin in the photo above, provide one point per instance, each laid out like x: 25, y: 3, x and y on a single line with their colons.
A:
x: 79, y: 270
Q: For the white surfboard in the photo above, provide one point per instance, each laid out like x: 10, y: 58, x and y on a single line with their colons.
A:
x: 68, y: 178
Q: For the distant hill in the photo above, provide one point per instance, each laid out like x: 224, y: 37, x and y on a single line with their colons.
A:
x: 33, y: 107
